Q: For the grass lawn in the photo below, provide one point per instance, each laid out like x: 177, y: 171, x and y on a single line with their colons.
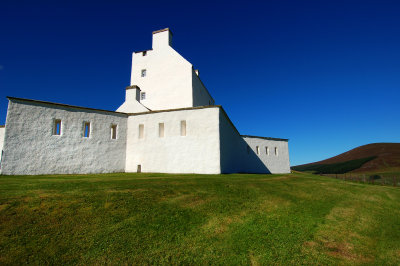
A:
x: 197, y: 219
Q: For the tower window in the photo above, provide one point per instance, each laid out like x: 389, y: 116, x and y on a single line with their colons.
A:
x: 86, y: 129
x: 143, y: 74
x: 267, y: 150
x: 141, y: 131
x: 113, y: 131
x: 183, y: 128
x: 144, y: 53
x: 258, y: 150
x: 57, y: 127
x: 276, y: 151
x: 161, y: 130
x: 142, y: 95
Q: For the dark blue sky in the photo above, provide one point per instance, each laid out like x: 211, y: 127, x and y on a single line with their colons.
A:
x: 325, y: 74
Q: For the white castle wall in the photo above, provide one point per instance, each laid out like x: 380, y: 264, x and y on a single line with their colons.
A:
x: 197, y: 152
x: 30, y: 148
x: 276, y: 163
x: 236, y: 157
x: 2, y: 131
x: 169, y: 82
x: 201, y: 97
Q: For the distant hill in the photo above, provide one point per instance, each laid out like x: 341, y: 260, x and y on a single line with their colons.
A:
x: 368, y: 158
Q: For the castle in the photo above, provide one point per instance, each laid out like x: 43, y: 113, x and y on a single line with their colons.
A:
x: 168, y: 123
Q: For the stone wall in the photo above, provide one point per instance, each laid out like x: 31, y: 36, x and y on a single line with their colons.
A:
x: 197, y: 152
x: 31, y: 148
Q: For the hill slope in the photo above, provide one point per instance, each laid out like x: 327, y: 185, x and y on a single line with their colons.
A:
x: 367, y: 158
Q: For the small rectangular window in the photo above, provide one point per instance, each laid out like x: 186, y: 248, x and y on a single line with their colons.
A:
x: 258, y: 150
x: 141, y: 131
x: 86, y: 129
x: 142, y: 95
x: 144, y: 53
x: 161, y: 130
x: 113, y: 131
x: 276, y: 151
x: 143, y: 73
x: 183, y: 128
x: 267, y: 150
x: 57, y: 127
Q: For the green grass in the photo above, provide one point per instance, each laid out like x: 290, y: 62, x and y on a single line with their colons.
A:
x: 197, y: 219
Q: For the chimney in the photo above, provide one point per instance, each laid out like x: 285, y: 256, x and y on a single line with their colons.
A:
x: 132, y: 93
x: 162, y: 39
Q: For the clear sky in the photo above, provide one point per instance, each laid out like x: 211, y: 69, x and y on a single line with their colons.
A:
x: 325, y: 74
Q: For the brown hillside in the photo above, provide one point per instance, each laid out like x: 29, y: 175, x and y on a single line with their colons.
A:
x: 387, y: 156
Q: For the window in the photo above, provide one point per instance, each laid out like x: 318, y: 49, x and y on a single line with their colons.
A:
x: 266, y: 150
x: 276, y: 151
x: 143, y: 73
x: 141, y: 131
x: 161, y: 130
x: 57, y: 127
x: 144, y: 53
x: 86, y: 129
x: 113, y: 131
x: 142, y: 95
x: 183, y: 128
x: 258, y: 150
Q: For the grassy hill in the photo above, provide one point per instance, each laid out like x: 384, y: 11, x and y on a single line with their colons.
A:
x: 371, y: 158
x: 197, y: 219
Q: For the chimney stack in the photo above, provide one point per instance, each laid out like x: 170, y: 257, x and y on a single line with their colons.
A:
x: 162, y: 38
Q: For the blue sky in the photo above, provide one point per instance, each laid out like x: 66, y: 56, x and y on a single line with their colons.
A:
x: 325, y: 74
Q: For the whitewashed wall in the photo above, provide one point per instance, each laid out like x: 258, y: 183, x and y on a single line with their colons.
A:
x: 235, y: 157
x: 201, y: 97
x: 276, y: 163
x: 31, y: 149
x: 2, y: 131
x: 169, y: 82
x: 197, y: 152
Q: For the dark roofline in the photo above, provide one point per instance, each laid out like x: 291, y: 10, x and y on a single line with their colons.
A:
x: 176, y: 109
x: 267, y: 138
x: 166, y: 29
x: 1, y: 126
x: 64, y: 105
x: 143, y: 51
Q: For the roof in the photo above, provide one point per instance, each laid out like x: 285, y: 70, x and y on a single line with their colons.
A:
x: 267, y: 138
x: 64, y: 105
x: 175, y: 109
x: 166, y: 29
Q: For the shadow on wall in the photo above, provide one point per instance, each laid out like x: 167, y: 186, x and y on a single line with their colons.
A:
x: 235, y: 154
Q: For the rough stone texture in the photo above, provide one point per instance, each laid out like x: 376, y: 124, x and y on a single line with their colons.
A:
x: 30, y: 148
x: 2, y: 131
x: 197, y: 152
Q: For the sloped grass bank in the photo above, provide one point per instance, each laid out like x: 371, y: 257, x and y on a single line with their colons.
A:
x: 197, y: 219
